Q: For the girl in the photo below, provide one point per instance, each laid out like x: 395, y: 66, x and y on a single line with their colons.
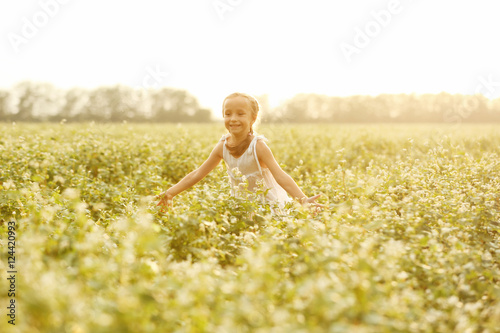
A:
x: 247, y: 158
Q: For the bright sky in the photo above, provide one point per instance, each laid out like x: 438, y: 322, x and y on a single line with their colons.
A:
x: 281, y: 47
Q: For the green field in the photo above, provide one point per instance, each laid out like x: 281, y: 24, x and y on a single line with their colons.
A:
x: 409, y: 241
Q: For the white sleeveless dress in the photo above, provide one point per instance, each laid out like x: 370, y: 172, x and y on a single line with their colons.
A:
x: 246, y: 169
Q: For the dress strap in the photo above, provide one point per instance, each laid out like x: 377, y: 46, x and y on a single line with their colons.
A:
x: 254, y: 147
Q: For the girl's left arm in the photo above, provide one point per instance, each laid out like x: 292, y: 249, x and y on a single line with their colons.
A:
x: 266, y: 157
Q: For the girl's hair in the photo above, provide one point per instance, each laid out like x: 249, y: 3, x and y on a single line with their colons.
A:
x: 238, y: 150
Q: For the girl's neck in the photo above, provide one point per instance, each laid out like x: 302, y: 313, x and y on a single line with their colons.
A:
x: 237, y: 139
x: 237, y: 145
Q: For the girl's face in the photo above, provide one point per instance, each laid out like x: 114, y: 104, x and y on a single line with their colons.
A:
x: 238, y: 117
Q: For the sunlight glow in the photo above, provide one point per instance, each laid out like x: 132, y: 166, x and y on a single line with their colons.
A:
x: 279, y: 48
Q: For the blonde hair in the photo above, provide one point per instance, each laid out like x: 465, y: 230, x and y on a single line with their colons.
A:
x: 238, y: 150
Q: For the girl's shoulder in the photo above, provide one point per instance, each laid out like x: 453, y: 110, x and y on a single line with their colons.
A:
x: 219, y: 148
x: 259, y: 142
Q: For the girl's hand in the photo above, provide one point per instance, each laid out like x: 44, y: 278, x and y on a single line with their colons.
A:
x: 166, y: 201
x: 311, y: 202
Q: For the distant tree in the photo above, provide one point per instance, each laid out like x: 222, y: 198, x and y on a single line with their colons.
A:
x: 121, y: 101
x: 202, y: 116
x: 294, y: 110
x: 472, y: 108
x: 409, y: 109
x: 318, y: 108
x: 142, y: 103
x: 36, y: 101
x: 27, y: 99
x: 97, y: 107
x: 73, y: 108
x: 359, y: 109
x: 174, y: 105
x: 4, y: 112
x: 383, y: 108
x: 494, y: 110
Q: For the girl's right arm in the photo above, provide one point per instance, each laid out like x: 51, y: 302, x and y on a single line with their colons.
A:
x: 193, y: 177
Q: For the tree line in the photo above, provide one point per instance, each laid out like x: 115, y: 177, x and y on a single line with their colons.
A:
x: 36, y: 102
x: 42, y: 102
